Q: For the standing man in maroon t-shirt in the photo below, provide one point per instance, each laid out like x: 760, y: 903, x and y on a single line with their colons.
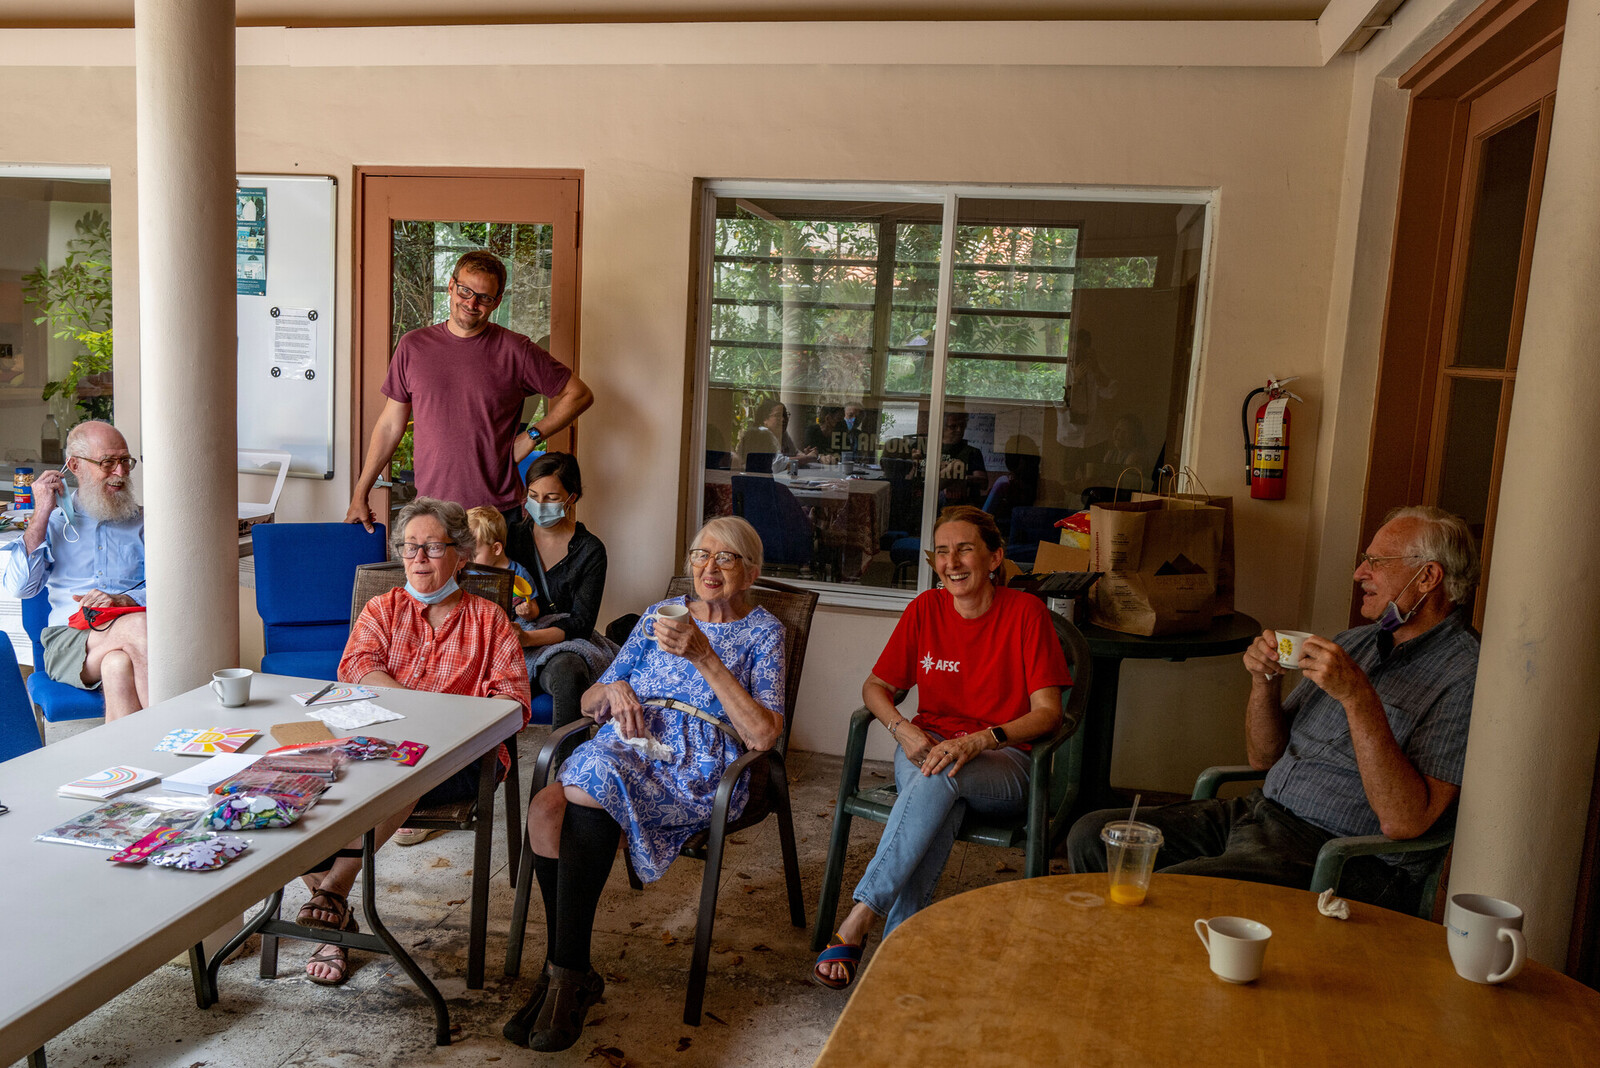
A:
x: 463, y: 382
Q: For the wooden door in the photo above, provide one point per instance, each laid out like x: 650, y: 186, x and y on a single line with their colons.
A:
x: 413, y: 224
x: 1476, y: 138
x: 1507, y: 139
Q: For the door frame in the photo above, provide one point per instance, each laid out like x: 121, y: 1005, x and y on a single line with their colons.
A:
x: 1493, y: 45
x: 370, y: 363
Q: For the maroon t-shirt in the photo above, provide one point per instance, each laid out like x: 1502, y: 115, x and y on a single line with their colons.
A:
x: 466, y: 398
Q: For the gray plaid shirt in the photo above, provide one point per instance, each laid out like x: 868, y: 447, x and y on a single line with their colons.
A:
x: 1426, y: 687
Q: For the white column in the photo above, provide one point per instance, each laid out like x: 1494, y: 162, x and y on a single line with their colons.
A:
x: 185, y: 85
x: 1531, y: 755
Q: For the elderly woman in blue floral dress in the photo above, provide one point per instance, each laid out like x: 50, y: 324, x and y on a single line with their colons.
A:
x: 677, y: 706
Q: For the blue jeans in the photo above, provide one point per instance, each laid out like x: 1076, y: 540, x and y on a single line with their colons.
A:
x: 922, y: 827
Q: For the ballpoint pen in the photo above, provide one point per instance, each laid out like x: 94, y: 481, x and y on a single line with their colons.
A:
x: 320, y: 693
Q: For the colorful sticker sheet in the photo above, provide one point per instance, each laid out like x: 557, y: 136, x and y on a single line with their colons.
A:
x: 249, y: 812
x: 122, y: 823
x: 200, y: 851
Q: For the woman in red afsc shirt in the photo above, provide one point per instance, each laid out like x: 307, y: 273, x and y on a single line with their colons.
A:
x: 988, y: 669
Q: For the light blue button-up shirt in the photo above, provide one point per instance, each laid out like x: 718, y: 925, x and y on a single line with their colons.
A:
x: 76, y: 558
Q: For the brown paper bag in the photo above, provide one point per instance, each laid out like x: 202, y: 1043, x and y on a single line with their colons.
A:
x: 1225, y: 583
x: 1160, y: 563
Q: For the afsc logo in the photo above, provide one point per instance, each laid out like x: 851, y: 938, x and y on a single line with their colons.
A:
x: 929, y: 664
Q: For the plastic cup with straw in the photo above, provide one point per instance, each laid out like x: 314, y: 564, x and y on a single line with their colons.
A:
x: 1131, y: 849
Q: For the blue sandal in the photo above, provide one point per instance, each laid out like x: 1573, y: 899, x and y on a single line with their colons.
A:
x: 839, y: 952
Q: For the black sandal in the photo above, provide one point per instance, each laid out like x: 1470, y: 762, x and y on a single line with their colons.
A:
x: 520, y: 1026
x: 572, y: 994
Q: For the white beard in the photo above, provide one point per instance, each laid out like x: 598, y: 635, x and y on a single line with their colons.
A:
x: 102, y: 507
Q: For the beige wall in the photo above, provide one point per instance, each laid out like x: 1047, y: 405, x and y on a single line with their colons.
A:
x: 1271, y: 140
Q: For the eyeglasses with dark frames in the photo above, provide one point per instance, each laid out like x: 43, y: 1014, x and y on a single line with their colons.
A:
x: 435, y: 549
x: 468, y: 296
x: 109, y: 464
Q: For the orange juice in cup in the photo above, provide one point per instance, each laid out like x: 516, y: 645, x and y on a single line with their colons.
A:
x: 1130, y: 858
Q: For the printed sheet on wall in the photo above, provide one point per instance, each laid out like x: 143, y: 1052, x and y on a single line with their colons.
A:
x: 286, y: 244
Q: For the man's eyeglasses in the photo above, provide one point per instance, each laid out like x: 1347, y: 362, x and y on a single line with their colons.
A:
x: 109, y: 464
x: 1375, y: 562
x: 467, y: 296
x: 409, y: 550
x: 725, y: 560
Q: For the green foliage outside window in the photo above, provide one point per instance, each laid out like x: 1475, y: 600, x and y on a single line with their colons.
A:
x: 76, y: 301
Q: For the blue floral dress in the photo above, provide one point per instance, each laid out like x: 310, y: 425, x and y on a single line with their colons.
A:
x: 661, y: 803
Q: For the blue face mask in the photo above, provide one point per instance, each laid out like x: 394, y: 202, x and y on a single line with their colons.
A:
x: 437, y: 595
x: 1393, y: 619
x: 546, y: 513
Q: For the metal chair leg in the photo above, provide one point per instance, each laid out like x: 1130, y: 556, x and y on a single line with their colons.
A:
x: 483, y: 834
x: 832, y: 877
x: 519, y: 914
x: 710, y: 880
x: 514, y: 833
x: 778, y: 792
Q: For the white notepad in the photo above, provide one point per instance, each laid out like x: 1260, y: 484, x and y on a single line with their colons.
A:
x: 109, y: 783
x: 210, y: 771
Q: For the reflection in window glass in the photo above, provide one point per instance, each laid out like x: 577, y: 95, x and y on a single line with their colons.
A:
x: 1067, y: 357
x: 425, y: 252
x: 55, y: 266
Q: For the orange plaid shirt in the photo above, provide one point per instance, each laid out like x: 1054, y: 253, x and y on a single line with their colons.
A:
x: 474, y: 654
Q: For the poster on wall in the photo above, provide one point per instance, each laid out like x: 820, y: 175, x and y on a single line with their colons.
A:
x: 250, y: 244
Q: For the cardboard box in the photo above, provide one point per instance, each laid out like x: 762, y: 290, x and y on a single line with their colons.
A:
x: 1056, y: 557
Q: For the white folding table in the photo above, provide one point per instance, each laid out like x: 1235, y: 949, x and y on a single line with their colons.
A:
x: 80, y: 930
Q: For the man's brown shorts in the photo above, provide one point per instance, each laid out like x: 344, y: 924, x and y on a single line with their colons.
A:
x: 64, y: 652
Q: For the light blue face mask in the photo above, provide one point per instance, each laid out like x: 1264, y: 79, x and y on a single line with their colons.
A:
x: 1393, y: 619
x: 437, y: 595
x: 64, y: 502
x: 546, y: 513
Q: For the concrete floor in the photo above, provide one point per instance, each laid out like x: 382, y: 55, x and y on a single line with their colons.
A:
x: 760, y: 1008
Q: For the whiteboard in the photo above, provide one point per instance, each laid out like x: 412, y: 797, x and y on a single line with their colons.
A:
x: 286, y: 244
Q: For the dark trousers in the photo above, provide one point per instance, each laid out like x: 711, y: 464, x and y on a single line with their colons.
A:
x: 1249, y: 838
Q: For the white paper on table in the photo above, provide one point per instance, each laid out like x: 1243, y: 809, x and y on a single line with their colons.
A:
x: 354, y: 716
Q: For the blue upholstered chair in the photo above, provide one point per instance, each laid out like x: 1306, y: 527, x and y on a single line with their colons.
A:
x: 19, y: 731
x: 53, y: 701
x: 305, y: 573
x: 786, y: 534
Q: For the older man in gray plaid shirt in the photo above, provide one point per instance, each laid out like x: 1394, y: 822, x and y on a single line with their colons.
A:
x: 1372, y: 739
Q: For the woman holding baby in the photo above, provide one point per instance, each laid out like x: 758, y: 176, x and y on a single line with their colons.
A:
x: 685, y: 696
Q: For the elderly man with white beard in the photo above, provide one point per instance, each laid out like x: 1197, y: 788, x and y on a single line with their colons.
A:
x: 87, y: 548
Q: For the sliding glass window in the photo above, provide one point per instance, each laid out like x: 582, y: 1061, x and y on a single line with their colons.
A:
x: 1047, y: 339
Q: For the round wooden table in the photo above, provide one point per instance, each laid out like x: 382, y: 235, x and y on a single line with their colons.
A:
x: 1044, y: 971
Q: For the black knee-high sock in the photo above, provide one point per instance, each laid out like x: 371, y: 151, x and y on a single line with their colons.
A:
x: 544, y: 870
x: 588, y: 847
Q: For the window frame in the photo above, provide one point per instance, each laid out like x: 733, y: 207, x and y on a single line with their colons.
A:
x: 707, y: 191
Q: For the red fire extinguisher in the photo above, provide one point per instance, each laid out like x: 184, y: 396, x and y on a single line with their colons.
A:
x: 1266, y: 441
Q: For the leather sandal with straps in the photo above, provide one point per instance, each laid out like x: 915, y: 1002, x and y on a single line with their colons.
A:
x: 335, y: 956
x: 325, y: 901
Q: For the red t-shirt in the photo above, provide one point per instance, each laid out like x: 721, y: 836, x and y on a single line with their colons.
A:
x: 973, y: 674
x: 466, y: 397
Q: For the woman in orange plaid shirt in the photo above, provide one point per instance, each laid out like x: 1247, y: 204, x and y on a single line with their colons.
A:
x: 429, y: 635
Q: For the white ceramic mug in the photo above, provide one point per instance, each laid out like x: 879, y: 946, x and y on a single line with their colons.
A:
x: 232, y: 686
x: 1289, y: 643
x: 1485, y: 938
x: 666, y: 611
x: 1237, y: 946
